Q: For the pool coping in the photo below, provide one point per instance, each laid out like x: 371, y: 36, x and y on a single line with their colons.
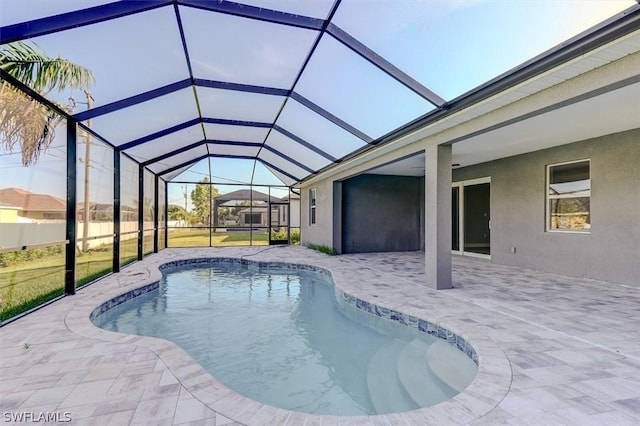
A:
x: 489, y: 387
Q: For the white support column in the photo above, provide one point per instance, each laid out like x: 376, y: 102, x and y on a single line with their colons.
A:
x: 438, y: 216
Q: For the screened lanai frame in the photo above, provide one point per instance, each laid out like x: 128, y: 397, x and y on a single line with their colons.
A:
x: 299, y: 98
x: 298, y: 127
x: 238, y: 131
x: 150, y: 231
x: 270, y: 202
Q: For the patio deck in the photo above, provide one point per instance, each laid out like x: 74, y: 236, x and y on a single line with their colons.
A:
x: 552, y: 349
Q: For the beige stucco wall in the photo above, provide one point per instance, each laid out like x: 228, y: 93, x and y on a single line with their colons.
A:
x: 610, y: 252
x: 322, y: 232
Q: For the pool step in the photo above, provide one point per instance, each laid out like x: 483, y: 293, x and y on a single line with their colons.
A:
x: 385, y: 389
x: 451, y: 365
x: 417, y: 378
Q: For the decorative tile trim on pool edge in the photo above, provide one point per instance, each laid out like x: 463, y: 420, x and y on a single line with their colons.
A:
x: 433, y: 329
x: 428, y: 327
x: 120, y: 299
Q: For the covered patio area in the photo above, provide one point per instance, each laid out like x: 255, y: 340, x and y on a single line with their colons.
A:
x: 551, y: 349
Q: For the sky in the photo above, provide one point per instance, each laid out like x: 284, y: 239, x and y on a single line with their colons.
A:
x: 448, y: 46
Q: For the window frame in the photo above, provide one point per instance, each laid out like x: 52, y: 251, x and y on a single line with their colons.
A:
x: 549, y: 197
x: 313, y: 203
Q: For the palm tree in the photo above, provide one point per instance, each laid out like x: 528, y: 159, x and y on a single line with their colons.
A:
x: 25, y: 122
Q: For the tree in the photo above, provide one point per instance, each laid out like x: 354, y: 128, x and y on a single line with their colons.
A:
x: 201, y: 197
x: 25, y: 122
x: 176, y: 212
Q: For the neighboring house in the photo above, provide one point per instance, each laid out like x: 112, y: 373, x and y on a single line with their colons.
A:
x: 28, y: 218
x: 540, y: 168
x: 128, y: 214
x: 232, y: 209
x: 255, y: 216
x: 9, y: 214
x: 98, y: 212
x: 19, y: 205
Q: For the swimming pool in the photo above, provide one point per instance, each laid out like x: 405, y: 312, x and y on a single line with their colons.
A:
x: 279, y: 335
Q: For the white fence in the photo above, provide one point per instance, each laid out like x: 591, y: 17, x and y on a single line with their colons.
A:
x: 26, y: 234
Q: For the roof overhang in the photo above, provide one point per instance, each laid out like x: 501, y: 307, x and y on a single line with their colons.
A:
x: 591, y: 95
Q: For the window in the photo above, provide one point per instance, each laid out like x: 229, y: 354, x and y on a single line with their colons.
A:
x: 312, y: 206
x: 253, y: 219
x: 569, y: 197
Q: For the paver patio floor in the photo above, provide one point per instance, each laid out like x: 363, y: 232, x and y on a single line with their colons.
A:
x: 566, y: 350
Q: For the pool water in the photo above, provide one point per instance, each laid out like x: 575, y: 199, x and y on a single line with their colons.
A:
x: 280, y: 337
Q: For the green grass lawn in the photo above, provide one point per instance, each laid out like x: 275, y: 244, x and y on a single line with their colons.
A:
x: 200, y: 238
x: 27, y: 284
x: 30, y: 284
x: 27, y: 281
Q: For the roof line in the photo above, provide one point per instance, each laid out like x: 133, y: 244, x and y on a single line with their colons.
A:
x: 77, y: 18
x: 549, y: 108
x: 133, y: 100
x: 257, y: 13
x: 608, y: 31
x: 387, y: 67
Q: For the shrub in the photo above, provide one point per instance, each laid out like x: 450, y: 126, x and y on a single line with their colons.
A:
x: 29, y: 255
x: 294, y: 235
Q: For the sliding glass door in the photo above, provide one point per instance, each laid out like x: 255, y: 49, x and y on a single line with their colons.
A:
x: 471, y: 217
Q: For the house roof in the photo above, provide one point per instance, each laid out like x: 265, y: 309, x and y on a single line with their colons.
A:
x: 254, y: 209
x: 295, y: 87
x: 292, y: 196
x: 245, y: 195
x: 27, y: 200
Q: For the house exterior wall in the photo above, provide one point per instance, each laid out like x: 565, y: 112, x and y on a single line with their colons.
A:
x: 34, y: 214
x: 294, y: 210
x: 8, y: 215
x: 321, y: 233
x: 520, y: 187
x: 610, y: 252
